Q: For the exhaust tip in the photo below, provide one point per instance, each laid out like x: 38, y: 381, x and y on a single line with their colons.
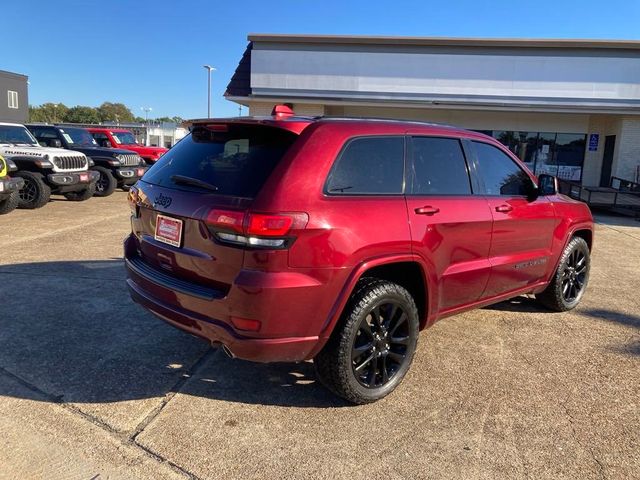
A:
x: 228, y: 352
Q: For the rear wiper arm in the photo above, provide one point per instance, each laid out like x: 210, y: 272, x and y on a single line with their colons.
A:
x: 184, y: 180
x: 340, y: 189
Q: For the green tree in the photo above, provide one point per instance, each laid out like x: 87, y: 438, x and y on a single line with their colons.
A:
x: 115, y: 112
x: 48, y: 112
x: 82, y: 114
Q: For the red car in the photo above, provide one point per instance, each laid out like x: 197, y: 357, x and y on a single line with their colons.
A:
x: 288, y: 238
x: 124, y: 139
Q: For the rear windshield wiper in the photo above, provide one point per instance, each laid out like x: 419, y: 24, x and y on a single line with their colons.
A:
x: 184, y: 180
x: 340, y: 189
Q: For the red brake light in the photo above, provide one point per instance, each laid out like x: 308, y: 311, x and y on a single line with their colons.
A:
x: 255, y: 230
x: 269, y: 225
x: 230, y: 219
x: 282, y: 111
x: 218, y: 127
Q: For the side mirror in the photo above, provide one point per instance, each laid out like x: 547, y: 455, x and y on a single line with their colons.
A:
x: 55, y: 143
x: 105, y: 143
x: 547, y: 184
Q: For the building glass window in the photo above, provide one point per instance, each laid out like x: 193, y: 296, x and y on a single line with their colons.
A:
x: 12, y: 99
x: 560, y: 154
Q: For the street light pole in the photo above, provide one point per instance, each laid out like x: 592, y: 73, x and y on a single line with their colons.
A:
x: 209, y: 70
x: 146, y: 111
x: 146, y: 121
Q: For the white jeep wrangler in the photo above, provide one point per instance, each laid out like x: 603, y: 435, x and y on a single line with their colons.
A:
x: 45, y: 170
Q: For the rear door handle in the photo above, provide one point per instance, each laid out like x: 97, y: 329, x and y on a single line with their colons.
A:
x: 504, y: 208
x: 427, y: 210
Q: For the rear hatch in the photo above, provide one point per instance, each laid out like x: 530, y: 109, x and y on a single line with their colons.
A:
x: 198, y: 192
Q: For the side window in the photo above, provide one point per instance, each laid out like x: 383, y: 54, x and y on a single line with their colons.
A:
x: 367, y: 166
x: 45, y: 133
x: 500, y: 174
x: 101, y: 138
x: 438, y: 167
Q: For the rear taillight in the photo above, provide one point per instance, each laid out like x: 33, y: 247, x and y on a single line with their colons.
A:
x: 255, y: 230
x: 132, y: 199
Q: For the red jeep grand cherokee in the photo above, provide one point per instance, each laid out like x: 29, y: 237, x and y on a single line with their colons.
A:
x: 287, y: 238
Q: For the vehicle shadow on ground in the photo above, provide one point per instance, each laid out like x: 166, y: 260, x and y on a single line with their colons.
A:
x: 70, y: 332
x: 519, y: 304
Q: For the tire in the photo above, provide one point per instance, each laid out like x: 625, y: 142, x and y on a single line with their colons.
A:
x: 35, y: 193
x: 372, y: 346
x: 570, y: 280
x: 106, y: 184
x: 82, y: 195
x: 10, y: 203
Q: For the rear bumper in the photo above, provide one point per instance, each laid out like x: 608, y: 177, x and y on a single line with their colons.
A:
x: 291, y: 349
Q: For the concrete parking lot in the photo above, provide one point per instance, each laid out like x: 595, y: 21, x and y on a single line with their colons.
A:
x: 93, y: 387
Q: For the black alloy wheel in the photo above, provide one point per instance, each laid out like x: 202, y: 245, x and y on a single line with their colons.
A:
x: 372, y: 345
x: 574, y: 275
x: 569, y: 281
x: 35, y: 193
x: 380, y: 345
x: 106, y: 183
x: 29, y: 192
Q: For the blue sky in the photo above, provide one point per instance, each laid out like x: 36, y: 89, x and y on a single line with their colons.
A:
x: 150, y: 53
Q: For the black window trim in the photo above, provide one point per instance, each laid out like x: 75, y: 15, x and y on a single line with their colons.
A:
x: 509, y: 154
x: 325, y: 190
x: 409, y: 173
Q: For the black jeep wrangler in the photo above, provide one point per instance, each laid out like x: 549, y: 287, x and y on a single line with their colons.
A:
x: 9, y: 187
x: 117, y: 167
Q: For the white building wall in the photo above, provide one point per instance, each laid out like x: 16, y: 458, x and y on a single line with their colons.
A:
x: 306, y: 109
x: 518, y: 76
x: 627, y: 160
x: 475, y: 119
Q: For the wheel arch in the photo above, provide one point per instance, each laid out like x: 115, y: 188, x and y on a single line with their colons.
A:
x: 391, y: 267
x: 586, y: 234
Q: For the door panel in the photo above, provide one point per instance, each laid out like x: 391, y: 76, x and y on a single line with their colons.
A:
x: 450, y: 227
x: 522, y: 226
x: 455, y: 241
x: 521, y: 242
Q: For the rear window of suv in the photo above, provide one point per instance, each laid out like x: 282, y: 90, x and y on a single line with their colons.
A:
x: 236, y: 161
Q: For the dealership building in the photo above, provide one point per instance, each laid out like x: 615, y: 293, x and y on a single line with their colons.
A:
x: 566, y: 107
x: 14, y: 98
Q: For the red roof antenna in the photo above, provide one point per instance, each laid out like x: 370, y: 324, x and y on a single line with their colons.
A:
x: 282, y: 111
